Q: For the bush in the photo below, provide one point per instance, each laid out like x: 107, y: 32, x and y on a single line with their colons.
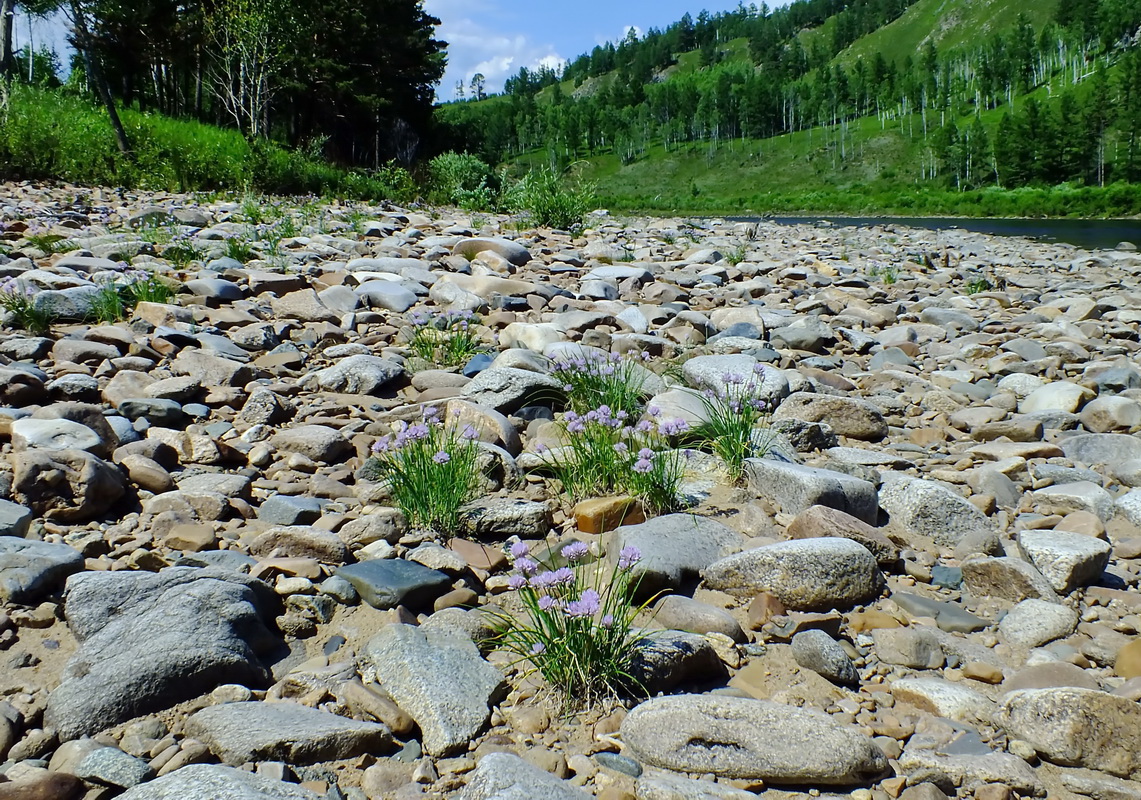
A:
x: 463, y: 180
x: 430, y: 468
x: 577, y: 627
x: 18, y: 299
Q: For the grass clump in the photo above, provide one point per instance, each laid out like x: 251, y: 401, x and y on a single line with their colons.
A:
x: 238, y: 248
x: 430, y: 468
x: 592, y: 379
x: 604, y: 452
x: 443, y: 340
x: 887, y: 273
x: 977, y: 286
x: 577, y: 623
x: 146, y: 287
x: 107, y: 304
x: 736, y: 426
x: 553, y: 199
x: 18, y: 300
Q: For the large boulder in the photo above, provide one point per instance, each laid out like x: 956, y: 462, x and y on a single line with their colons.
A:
x: 65, y: 485
x: 150, y: 640
x: 361, y: 374
x: 505, y: 776
x: 215, y: 782
x: 847, y: 416
x: 794, y: 488
x: 29, y: 569
x: 929, y: 509
x: 735, y: 737
x: 675, y: 548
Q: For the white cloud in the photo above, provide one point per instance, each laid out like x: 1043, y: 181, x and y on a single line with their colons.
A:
x: 476, y: 47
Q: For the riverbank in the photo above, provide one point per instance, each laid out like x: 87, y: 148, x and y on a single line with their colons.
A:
x: 210, y: 584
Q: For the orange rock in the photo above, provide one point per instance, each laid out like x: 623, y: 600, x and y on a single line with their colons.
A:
x: 601, y: 514
x: 1128, y: 664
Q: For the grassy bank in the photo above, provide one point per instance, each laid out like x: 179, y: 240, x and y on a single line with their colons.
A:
x: 53, y: 135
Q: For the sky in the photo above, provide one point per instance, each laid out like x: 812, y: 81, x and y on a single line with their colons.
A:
x: 498, y: 37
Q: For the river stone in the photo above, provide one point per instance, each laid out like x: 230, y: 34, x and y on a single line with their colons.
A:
x: 360, y: 374
x: 915, y: 648
x: 667, y: 786
x: 512, y: 251
x: 55, y: 434
x: 389, y: 582
x: 819, y: 652
x: 110, y: 766
x: 736, y: 737
x: 1056, y: 396
x: 15, y: 519
x: 1008, y: 578
x: 389, y: 295
x: 794, y: 488
x: 955, y: 701
x: 1067, y: 560
x: 30, y: 569
x: 65, y: 485
x: 804, y: 574
x: 1033, y: 623
x: 709, y: 372
x: 505, y: 776
x: 1101, y: 448
x: 847, y: 416
x: 1081, y: 496
x: 282, y: 731
x: 1077, y: 728
x: 1050, y: 675
x: 318, y: 442
x: 925, y: 508
x: 665, y: 660
x: 211, y: 370
x: 215, y: 782
x: 683, y: 613
x: 439, y: 679
x: 675, y: 548
x: 150, y: 640
x: 821, y: 521
x: 507, y: 389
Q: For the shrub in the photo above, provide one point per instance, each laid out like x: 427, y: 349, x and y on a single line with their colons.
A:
x: 736, y: 427
x: 430, y: 468
x: 443, y: 340
x: 604, y: 453
x: 18, y: 299
x: 461, y: 179
x: 238, y: 248
x: 553, y: 199
x: 592, y: 379
x: 577, y: 623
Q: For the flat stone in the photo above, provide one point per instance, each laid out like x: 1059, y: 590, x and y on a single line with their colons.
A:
x: 794, y: 488
x: 675, y: 548
x: 945, y: 699
x: 916, y: 648
x: 847, y: 416
x: 735, y: 737
x: 1081, y: 496
x: 30, y: 569
x: 440, y: 680
x: 282, y: 731
x: 1033, y: 623
x: 1050, y: 675
x: 804, y: 574
x: 317, y: 442
x: 55, y: 434
x: 682, y: 613
x: 1101, y: 448
x: 282, y: 509
x: 821, y: 521
x: 1008, y: 578
x: 1067, y: 560
x: 386, y: 583
x: 505, y: 776
x: 110, y: 766
x: 215, y: 782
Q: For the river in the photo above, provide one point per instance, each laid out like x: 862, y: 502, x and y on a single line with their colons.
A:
x: 1092, y: 234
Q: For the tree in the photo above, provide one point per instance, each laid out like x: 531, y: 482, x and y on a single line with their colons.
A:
x: 84, y: 44
x: 7, y: 30
x: 478, y: 84
x: 248, y: 37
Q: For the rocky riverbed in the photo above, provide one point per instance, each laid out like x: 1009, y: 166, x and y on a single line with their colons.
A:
x: 928, y: 588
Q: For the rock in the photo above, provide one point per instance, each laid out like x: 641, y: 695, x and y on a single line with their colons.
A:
x: 794, y: 488
x: 666, y: 660
x: 1101, y: 448
x: 55, y: 434
x: 507, y: 389
x: 359, y: 374
x: 439, y: 679
x: 65, y: 485
x: 674, y: 548
x: 303, y: 305
x: 1128, y: 661
x: 149, y: 641
x: 955, y: 701
x: 1049, y: 675
x: 1067, y: 560
x: 1057, y: 396
x: 1077, y: 728
x: 388, y: 295
x: 1033, y: 623
x: 709, y: 372
x: 820, y: 522
x: 31, y: 569
x: 285, y: 510
x: 512, y: 251
x: 214, y: 782
x: 110, y: 766
x: 281, y: 731
x: 925, y: 508
x: 505, y: 776
x: 805, y: 574
x: 42, y: 785
x: 1107, y: 414
x: 1008, y: 578
x: 300, y: 541
x: 503, y: 517
x: 387, y: 583
x: 735, y: 737
x: 211, y: 370
x: 666, y: 786
x: 915, y: 648
x: 682, y: 613
x: 14, y: 519
x: 847, y: 416
x: 949, y: 616
x: 322, y: 444
x: 819, y: 652
x: 1079, y: 496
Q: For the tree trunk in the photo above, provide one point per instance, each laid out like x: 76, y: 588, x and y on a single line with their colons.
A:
x: 95, y: 75
x: 7, y: 24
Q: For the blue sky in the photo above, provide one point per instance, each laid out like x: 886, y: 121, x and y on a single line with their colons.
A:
x: 497, y: 37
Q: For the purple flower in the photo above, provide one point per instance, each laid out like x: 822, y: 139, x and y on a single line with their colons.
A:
x: 516, y: 582
x: 628, y: 557
x: 607, y: 620
x: 546, y: 603
x: 382, y: 445
x: 621, y: 448
x: 643, y: 465
x: 416, y: 432
x: 576, y: 427
x: 442, y: 457
x: 575, y: 550
x: 526, y: 566
x: 538, y: 648
x: 645, y: 453
x: 431, y: 412
x: 562, y: 575
x: 520, y: 550
x: 645, y: 426
x: 469, y: 433
x: 585, y: 606
x: 541, y: 581
x: 673, y: 427
x: 653, y: 411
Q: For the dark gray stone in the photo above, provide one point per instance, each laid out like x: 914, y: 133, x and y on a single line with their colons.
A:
x: 675, y: 548
x: 389, y: 582
x: 281, y: 509
x: 214, y: 782
x: 30, y: 569
x: 819, y: 652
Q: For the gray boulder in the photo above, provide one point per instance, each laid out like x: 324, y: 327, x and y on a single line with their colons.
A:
x: 281, y: 731
x: 150, y: 640
x: 30, y: 569
x: 65, y: 485
x: 665, y: 660
x: 15, y: 519
x: 440, y: 680
x: 735, y: 737
x: 514, y: 252
x: 354, y: 375
x: 675, y: 548
x: 507, y: 389
x: 1101, y: 448
x: 929, y: 509
x: 1067, y: 560
x: 819, y: 652
x: 505, y: 776
x: 214, y: 782
x: 847, y: 416
x: 794, y: 488
x: 388, y: 582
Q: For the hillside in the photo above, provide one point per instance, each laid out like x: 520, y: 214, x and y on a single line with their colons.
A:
x: 736, y: 111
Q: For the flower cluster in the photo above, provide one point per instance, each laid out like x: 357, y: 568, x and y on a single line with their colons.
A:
x: 736, y: 412
x: 448, y: 339
x: 605, y: 451
x: 430, y: 467
x: 18, y: 300
x: 592, y: 378
x: 577, y: 618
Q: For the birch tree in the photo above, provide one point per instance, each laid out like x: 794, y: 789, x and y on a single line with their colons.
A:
x: 247, y: 37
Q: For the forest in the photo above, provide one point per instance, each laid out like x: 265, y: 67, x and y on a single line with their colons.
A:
x: 1048, y: 100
